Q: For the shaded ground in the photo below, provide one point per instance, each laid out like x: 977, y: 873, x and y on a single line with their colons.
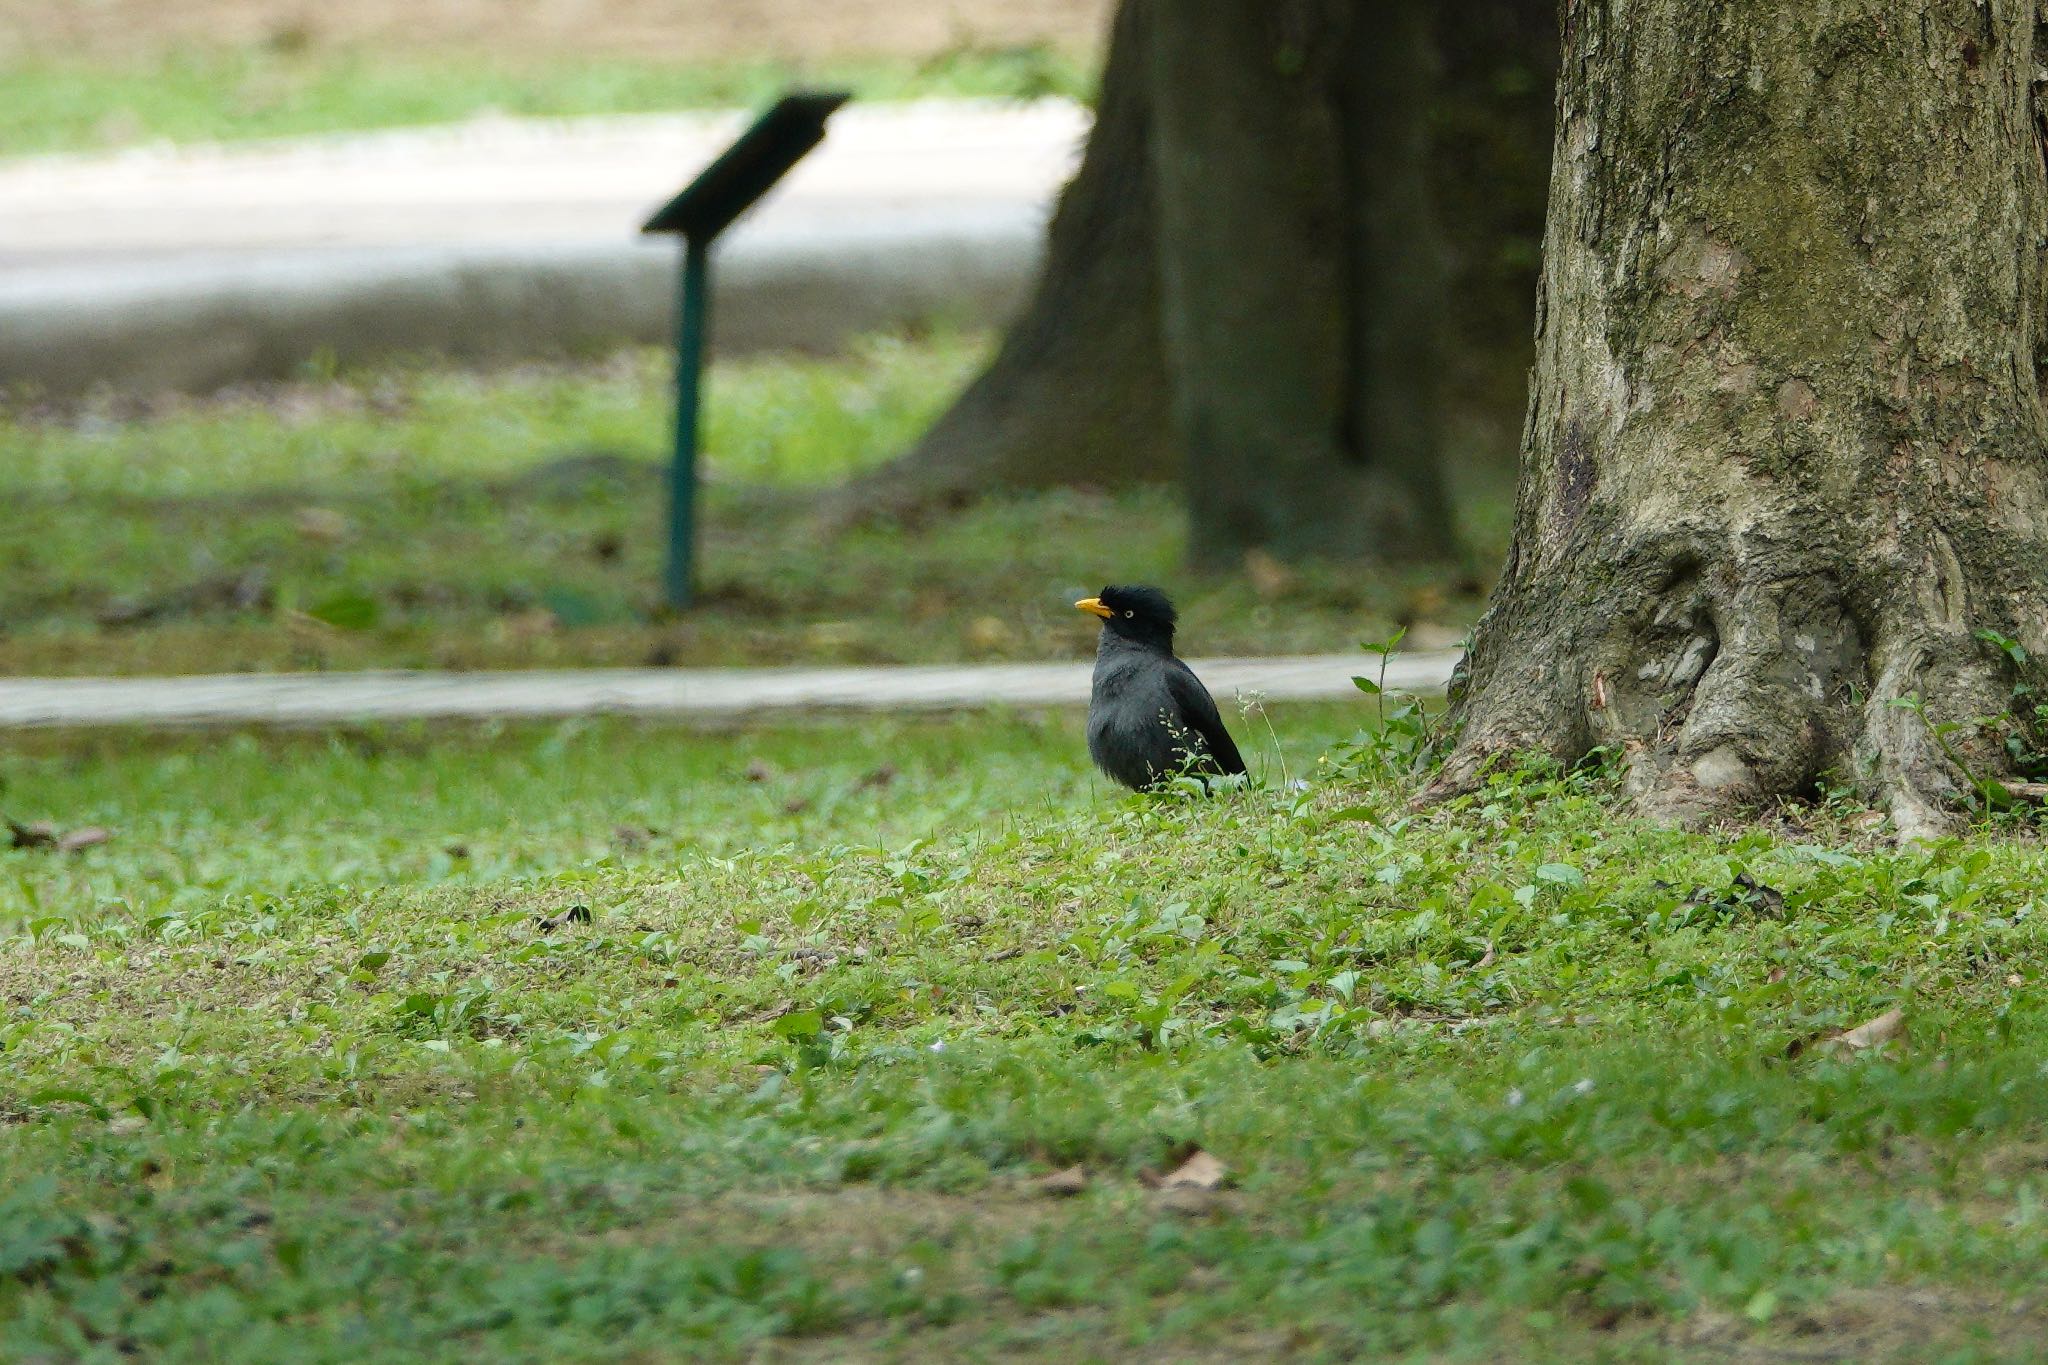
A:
x: 438, y: 520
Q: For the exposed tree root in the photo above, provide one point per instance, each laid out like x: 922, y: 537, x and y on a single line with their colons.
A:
x: 1728, y: 682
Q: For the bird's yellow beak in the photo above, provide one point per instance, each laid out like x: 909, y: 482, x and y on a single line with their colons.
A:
x: 1094, y: 605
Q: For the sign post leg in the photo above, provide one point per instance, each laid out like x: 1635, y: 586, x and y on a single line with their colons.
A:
x: 692, y: 308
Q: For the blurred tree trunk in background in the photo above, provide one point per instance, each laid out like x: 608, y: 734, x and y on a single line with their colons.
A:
x: 1077, y: 393
x: 1245, y: 286
x: 1299, y: 276
x: 1491, y: 176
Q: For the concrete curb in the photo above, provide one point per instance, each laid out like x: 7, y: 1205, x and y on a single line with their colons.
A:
x: 716, y: 694
x: 191, y: 326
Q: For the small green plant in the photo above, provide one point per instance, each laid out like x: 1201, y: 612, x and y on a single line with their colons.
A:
x: 2023, y: 729
x: 1192, y: 776
x: 2020, y: 733
x: 1399, y: 739
x: 1251, y: 707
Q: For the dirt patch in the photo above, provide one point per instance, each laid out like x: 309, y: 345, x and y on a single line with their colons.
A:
x: 679, y: 30
x: 1893, y: 1323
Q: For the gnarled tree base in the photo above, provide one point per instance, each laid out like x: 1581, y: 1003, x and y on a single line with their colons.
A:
x: 1730, y: 672
x: 1786, y: 461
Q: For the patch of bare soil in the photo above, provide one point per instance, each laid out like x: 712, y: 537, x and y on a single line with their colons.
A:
x: 680, y: 30
x: 1902, y: 1324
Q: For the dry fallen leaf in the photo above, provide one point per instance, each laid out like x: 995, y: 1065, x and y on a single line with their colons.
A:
x: 1200, y: 1171
x: 91, y: 836
x: 1193, y: 1187
x: 1062, y: 1184
x: 1870, y: 1034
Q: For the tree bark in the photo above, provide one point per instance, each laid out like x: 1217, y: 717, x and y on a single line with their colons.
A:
x: 1243, y: 290
x: 1784, y: 452
x: 1077, y: 392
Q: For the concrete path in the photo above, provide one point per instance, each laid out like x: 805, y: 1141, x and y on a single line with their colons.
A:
x: 504, y: 180
x: 501, y: 238
x: 311, y: 699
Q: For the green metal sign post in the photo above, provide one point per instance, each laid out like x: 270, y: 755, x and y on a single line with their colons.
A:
x: 680, y: 574
x: 727, y: 188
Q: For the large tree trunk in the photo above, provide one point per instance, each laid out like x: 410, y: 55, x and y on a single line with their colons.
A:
x: 1784, y: 454
x: 1243, y: 289
x: 1077, y: 393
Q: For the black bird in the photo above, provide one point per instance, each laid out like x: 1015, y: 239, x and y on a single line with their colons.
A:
x: 1149, y: 717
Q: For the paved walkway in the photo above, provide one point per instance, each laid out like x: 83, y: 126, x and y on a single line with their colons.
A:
x: 503, y: 239
x: 311, y: 699
x: 498, y: 181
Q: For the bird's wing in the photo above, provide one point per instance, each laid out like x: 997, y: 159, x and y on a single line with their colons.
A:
x: 1199, y: 708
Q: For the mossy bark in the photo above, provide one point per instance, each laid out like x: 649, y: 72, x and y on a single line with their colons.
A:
x: 1784, y: 451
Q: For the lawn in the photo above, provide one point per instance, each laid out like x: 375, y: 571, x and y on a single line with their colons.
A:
x: 421, y: 517
x: 64, y: 104
x: 603, y: 1041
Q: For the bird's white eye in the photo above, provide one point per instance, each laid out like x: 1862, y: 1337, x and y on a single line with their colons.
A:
x: 1129, y: 614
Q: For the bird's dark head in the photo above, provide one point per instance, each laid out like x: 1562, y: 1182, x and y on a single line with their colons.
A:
x: 1134, y: 613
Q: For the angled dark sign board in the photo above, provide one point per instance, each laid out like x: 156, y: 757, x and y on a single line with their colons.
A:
x: 707, y: 206
x: 750, y: 167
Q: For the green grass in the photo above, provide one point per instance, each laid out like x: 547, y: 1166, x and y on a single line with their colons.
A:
x: 57, y: 105
x: 293, y: 1071
x: 775, y: 421
x: 427, y: 518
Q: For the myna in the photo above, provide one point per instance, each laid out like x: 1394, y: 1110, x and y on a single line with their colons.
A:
x: 1149, y: 717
